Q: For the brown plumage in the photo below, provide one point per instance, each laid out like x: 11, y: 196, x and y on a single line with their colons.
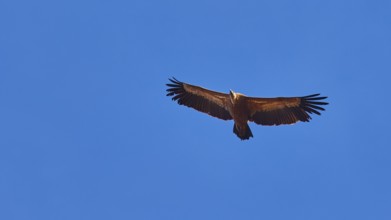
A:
x: 241, y: 108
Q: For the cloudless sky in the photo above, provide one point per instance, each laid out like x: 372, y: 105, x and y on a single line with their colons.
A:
x: 86, y: 131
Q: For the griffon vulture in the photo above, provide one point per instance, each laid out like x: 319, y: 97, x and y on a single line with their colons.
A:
x: 241, y: 108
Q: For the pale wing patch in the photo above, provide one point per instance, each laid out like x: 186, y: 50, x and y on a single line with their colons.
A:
x: 216, y: 97
x: 270, y: 104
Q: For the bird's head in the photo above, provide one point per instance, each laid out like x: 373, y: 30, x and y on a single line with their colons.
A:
x: 232, y: 95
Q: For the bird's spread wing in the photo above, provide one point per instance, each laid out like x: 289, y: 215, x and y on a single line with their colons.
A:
x: 207, y: 101
x: 277, y: 111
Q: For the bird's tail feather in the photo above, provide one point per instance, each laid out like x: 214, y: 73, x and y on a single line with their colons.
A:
x: 244, y: 133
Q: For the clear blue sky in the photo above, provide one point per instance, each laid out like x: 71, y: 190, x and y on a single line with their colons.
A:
x: 86, y: 131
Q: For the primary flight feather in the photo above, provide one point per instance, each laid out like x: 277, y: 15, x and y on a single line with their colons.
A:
x: 241, y: 108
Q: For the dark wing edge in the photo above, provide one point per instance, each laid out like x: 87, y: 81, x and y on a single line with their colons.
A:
x: 289, y: 115
x: 198, y: 98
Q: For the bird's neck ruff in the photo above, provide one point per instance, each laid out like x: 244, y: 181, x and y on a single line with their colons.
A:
x: 234, y: 97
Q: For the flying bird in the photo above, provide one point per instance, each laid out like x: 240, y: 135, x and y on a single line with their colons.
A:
x: 242, y: 109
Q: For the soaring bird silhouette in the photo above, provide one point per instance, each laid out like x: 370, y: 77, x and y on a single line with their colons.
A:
x: 241, y: 108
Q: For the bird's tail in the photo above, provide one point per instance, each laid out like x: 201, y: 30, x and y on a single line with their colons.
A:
x: 243, y: 132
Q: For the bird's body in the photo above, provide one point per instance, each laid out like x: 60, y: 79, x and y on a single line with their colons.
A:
x: 237, y: 107
x: 241, y: 108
